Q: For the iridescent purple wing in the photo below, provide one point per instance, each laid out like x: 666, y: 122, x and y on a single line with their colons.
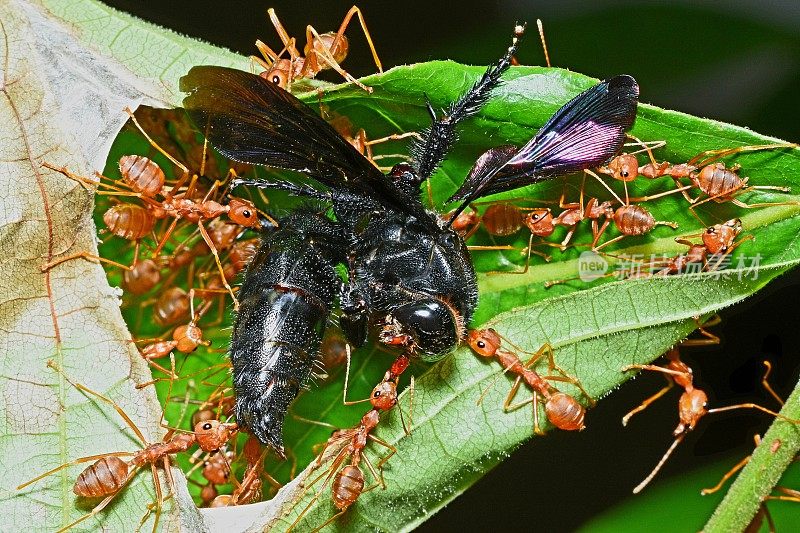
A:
x: 586, y: 132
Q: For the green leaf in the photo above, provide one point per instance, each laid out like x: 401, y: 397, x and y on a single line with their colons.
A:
x: 595, y: 331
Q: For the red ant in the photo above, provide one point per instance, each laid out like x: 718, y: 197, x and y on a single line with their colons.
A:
x: 718, y: 241
x: 249, y: 489
x: 713, y: 179
x: 186, y: 338
x: 691, y: 405
x: 109, y: 474
x: 322, y: 52
x: 358, y: 139
x: 142, y: 178
x: 349, y: 482
x: 562, y: 410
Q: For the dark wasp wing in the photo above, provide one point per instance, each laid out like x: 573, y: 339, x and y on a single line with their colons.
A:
x: 251, y: 120
x: 586, y: 132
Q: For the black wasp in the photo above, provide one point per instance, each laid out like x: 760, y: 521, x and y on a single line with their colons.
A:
x: 409, y: 276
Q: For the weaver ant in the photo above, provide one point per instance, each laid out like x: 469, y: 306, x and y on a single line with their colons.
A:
x: 322, y: 52
x: 691, y: 405
x: 706, y: 173
x: 562, y: 410
x: 109, y: 474
x: 143, y: 178
x: 349, y: 482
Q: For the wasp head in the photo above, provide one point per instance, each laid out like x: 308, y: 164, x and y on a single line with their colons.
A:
x: 429, y: 328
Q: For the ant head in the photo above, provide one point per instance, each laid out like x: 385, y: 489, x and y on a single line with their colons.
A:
x: 540, y: 222
x: 691, y: 408
x: 624, y: 167
x: 279, y: 73
x: 243, y: 212
x: 324, y: 45
x: 429, y: 327
x: 484, y: 342
x: 719, y: 237
x: 212, y: 434
x: 384, y: 395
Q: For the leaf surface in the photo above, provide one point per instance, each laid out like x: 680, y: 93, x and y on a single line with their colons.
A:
x: 67, y: 71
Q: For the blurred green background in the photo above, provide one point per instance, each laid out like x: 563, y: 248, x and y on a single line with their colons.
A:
x: 734, y: 61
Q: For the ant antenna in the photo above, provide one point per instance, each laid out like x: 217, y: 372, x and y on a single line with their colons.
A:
x: 544, y: 43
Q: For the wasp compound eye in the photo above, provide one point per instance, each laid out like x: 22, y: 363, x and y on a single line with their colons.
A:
x: 432, y: 326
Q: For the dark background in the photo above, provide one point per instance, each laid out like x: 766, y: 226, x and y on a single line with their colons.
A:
x: 734, y: 61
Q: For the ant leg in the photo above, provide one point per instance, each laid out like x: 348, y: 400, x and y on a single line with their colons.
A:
x: 112, y: 190
x: 791, y: 495
x: 544, y: 43
x: 105, y: 399
x: 330, y: 520
x: 155, y: 144
x: 743, y: 205
x: 708, y: 337
x: 378, y: 477
x: 507, y: 405
x: 730, y: 473
x: 646, y: 147
x: 654, y: 368
x: 326, y: 57
x: 709, y: 156
x: 681, y: 189
x: 214, y: 252
x: 606, y: 185
x: 356, y: 11
x: 407, y: 428
x: 330, y: 473
x: 347, y: 379
x: 767, y: 386
x: 753, y: 406
x: 165, y: 238
x: 596, y: 248
x: 392, y: 137
x: 159, y: 498
x: 646, y: 403
x: 547, y: 349
x: 83, y: 255
x: 281, y: 31
x: 100, y: 506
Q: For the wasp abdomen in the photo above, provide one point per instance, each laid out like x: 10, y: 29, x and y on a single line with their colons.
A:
x: 285, y: 301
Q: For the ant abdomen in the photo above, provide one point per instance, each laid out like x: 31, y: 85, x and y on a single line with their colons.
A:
x: 142, y: 277
x: 633, y: 220
x: 103, y: 477
x: 717, y: 181
x: 129, y: 221
x: 142, y: 174
x: 502, y: 219
x: 565, y: 412
x: 347, y: 487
